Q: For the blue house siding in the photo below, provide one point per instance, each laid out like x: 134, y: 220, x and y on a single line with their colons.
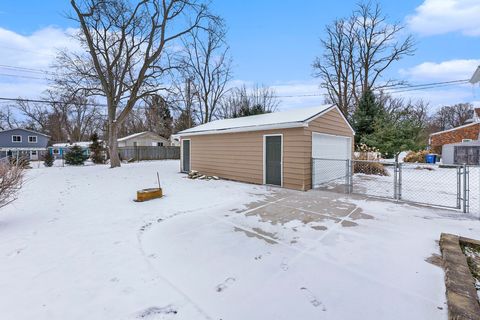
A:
x: 23, y: 142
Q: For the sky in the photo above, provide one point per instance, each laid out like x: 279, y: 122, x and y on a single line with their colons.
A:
x: 273, y: 43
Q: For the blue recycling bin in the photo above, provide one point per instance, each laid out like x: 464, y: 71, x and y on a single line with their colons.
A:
x: 431, y: 158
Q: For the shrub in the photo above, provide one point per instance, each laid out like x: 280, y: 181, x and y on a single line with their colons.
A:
x: 365, y: 152
x: 75, y: 156
x: 23, y: 162
x: 418, y: 156
x: 97, y: 150
x: 11, y: 179
x: 48, y: 159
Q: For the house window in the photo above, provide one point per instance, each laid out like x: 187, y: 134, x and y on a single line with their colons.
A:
x: 32, y: 139
x: 16, y: 138
x: 33, y: 152
x: 55, y: 151
x: 159, y: 144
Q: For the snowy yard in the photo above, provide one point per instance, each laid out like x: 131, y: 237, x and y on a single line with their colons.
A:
x: 75, y: 246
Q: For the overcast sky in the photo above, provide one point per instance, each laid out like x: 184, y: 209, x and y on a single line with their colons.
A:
x: 272, y: 42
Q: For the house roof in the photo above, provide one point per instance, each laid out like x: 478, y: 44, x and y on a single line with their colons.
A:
x: 83, y: 144
x: 28, y: 130
x: 276, y: 120
x: 453, y: 129
x: 138, y: 135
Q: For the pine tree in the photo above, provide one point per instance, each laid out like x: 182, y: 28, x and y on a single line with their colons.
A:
x: 96, y: 150
x: 75, y: 156
x: 368, y: 110
x: 48, y: 159
x: 184, y: 121
x: 166, y: 125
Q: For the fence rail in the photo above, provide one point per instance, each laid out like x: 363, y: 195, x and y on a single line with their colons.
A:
x: 456, y: 187
x: 149, y: 153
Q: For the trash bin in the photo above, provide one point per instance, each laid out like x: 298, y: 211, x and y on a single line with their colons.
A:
x: 431, y: 158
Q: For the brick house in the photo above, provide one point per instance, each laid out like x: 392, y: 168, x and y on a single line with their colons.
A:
x: 465, y: 133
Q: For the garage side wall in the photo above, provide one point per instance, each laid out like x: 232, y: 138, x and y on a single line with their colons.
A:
x: 239, y: 156
x: 330, y: 123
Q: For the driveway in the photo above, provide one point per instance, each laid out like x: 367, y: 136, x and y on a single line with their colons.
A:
x: 308, y: 255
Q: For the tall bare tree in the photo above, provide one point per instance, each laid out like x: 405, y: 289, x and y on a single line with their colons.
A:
x: 242, y: 102
x: 356, y: 53
x: 207, y: 65
x: 127, y: 51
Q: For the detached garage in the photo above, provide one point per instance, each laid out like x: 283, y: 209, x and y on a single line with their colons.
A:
x: 274, y: 149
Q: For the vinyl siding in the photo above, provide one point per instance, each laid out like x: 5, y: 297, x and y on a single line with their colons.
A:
x: 239, y: 156
x: 332, y: 123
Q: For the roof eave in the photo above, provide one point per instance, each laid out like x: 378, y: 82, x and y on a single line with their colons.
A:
x: 287, y: 125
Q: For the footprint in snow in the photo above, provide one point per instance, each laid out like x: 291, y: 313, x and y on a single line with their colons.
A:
x: 312, y: 298
x: 157, y: 313
x: 222, y: 286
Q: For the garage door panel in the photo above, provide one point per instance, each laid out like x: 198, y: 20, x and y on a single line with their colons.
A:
x: 330, y: 154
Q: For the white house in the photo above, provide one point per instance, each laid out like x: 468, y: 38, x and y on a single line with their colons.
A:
x: 143, y: 139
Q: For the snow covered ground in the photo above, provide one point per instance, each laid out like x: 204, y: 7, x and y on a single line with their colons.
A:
x: 75, y: 246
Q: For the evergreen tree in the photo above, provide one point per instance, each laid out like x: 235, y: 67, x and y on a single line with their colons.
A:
x: 184, y: 121
x: 246, y: 110
x: 166, y: 125
x: 75, y: 156
x: 394, y: 133
x: 368, y: 110
x: 96, y: 150
x: 48, y: 159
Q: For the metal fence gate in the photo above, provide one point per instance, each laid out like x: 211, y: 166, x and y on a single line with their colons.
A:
x: 454, y: 187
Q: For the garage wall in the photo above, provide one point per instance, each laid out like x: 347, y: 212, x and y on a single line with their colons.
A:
x: 330, y: 123
x: 239, y: 156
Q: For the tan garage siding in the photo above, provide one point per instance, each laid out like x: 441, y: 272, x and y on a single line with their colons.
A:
x: 331, y: 122
x: 239, y: 156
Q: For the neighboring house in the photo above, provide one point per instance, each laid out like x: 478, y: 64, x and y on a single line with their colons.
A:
x: 458, y: 145
x: 58, y: 150
x: 274, y: 148
x: 143, y: 139
x: 23, y: 143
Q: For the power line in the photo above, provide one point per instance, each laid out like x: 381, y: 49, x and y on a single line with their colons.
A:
x: 25, y: 69
x: 48, y: 101
x: 20, y: 76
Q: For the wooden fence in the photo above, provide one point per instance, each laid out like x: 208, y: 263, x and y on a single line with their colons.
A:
x: 149, y: 153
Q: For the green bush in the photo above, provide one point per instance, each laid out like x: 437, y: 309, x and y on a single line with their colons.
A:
x: 48, y: 159
x: 75, y: 156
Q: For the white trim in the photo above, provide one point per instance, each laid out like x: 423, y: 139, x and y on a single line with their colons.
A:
x: 248, y: 129
x: 17, y: 135
x: 36, y: 139
x: 453, y: 129
x: 21, y: 149
x: 181, y: 155
x: 265, y: 157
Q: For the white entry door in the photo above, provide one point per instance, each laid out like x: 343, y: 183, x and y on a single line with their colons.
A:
x: 33, y: 155
x: 332, y: 153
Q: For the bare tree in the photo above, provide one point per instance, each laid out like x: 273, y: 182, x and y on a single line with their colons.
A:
x: 337, y: 65
x: 79, y: 117
x: 357, y: 52
x: 127, y: 47
x: 8, y: 119
x: 243, y: 102
x: 448, y: 117
x: 206, y: 62
x: 11, y: 179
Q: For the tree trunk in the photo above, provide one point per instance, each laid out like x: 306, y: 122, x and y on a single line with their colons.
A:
x: 112, y: 145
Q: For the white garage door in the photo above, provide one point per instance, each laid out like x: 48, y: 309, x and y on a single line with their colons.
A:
x: 330, y: 154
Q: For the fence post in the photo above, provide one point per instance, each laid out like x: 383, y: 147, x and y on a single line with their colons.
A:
x: 465, y: 189
x: 347, y: 176
x: 395, y: 172
x: 459, y: 187
x: 312, y: 169
x: 399, y: 191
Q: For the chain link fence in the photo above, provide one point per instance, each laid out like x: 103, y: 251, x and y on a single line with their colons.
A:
x: 455, y: 187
